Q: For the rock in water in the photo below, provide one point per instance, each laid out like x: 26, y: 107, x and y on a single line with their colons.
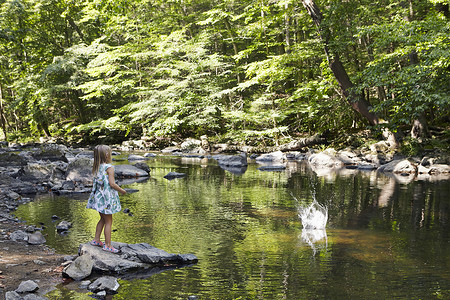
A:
x: 108, y: 284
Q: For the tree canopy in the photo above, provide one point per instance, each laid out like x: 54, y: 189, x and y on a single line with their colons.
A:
x: 260, y: 72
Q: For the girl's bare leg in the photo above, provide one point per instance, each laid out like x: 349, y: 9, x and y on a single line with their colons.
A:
x: 99, y: 228
x: 108, y: 225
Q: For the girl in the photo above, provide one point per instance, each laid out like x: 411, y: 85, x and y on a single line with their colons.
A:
x: 104, y: 197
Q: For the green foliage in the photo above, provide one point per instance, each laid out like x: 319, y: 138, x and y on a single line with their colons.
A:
x: 246, y: 71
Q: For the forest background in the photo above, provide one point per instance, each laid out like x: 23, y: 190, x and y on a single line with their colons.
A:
x: 256, y: 72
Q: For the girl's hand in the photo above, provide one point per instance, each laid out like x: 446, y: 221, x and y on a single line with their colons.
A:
x: 123, y: 192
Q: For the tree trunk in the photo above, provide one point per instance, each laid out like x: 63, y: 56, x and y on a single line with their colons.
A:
x: 420, y: 128
x: 356, y: 101
x: 2, y: 115
x: 235, y: 49
x: 286, y: 25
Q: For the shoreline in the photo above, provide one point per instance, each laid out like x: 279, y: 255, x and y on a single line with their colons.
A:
x: 20, y: 261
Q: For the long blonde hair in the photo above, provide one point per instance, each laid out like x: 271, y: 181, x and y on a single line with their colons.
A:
x: 102, y: 155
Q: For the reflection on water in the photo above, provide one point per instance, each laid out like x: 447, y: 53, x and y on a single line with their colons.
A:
x: 384, y: 238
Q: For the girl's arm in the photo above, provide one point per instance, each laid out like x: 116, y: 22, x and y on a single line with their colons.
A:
x: 112, y: 182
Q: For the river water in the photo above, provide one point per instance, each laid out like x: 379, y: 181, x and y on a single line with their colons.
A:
x: 386, y: 237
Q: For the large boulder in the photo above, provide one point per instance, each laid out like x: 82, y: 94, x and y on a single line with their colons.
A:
x: 399, y: 166
x: 80, y: 170
x: 16, y: 185
x: 132, y: 257
x: 51, y: 152
x: 11, y: 159
x: 192, y: 146
x: 44, y: 171
x: 232, y: 160
x: 277, y: 156
x: 127, y: 171
x: 323, y: 160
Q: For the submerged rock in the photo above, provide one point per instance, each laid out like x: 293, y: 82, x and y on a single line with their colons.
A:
x: 173, y: 175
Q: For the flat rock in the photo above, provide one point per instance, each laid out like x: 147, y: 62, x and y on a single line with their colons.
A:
x: 132, y: 257
x: 271, y: 157
x: 127, y: 171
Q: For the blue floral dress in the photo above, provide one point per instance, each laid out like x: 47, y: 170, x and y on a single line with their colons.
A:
x: 103, y: 198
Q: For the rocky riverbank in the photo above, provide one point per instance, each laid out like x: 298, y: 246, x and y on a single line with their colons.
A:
x: 26, y: 170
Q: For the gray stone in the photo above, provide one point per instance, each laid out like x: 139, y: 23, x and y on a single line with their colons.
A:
x: 272, y: 168
x: 136, y: 157
x: 12, y: 159
x: 39, y: 262
x: 170, y: 149
x: 51, y: 152
x: 173, y: 175
x: 108, y: 262
x: 28, y: 286
x: 366, y: 167
x: 127, y: 171
x: 16, y: 185
x: 439, y: 169
x: 232, y: 160
x: 30, y: 229
x: 142, y: 166
x: 19, y: 236
x: 381, y: 146
x: 149, y: 254
x: 85, y: 154
x: 277, y: 156
x: 101, y: 294
x: 36, y: 238
x: 132, y: 257
x: 324, y: 160
x: 12, y: 295
x: 108, y: 284
x: 63, y: 226
x: 34, y: 297
x: 84, y: 284
x: 80, y: 268
x: 80, y: 170
x: 399, y: 166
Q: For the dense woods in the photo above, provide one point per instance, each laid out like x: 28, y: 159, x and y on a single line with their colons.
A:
x: 259, y: 72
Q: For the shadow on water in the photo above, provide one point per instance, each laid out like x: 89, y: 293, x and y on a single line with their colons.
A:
x: 384, y: 238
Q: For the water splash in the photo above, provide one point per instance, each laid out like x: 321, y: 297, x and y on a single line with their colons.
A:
x: 314, y: 216
x: 314, y: 219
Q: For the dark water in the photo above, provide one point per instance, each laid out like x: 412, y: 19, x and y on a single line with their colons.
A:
x: 386, y: 238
